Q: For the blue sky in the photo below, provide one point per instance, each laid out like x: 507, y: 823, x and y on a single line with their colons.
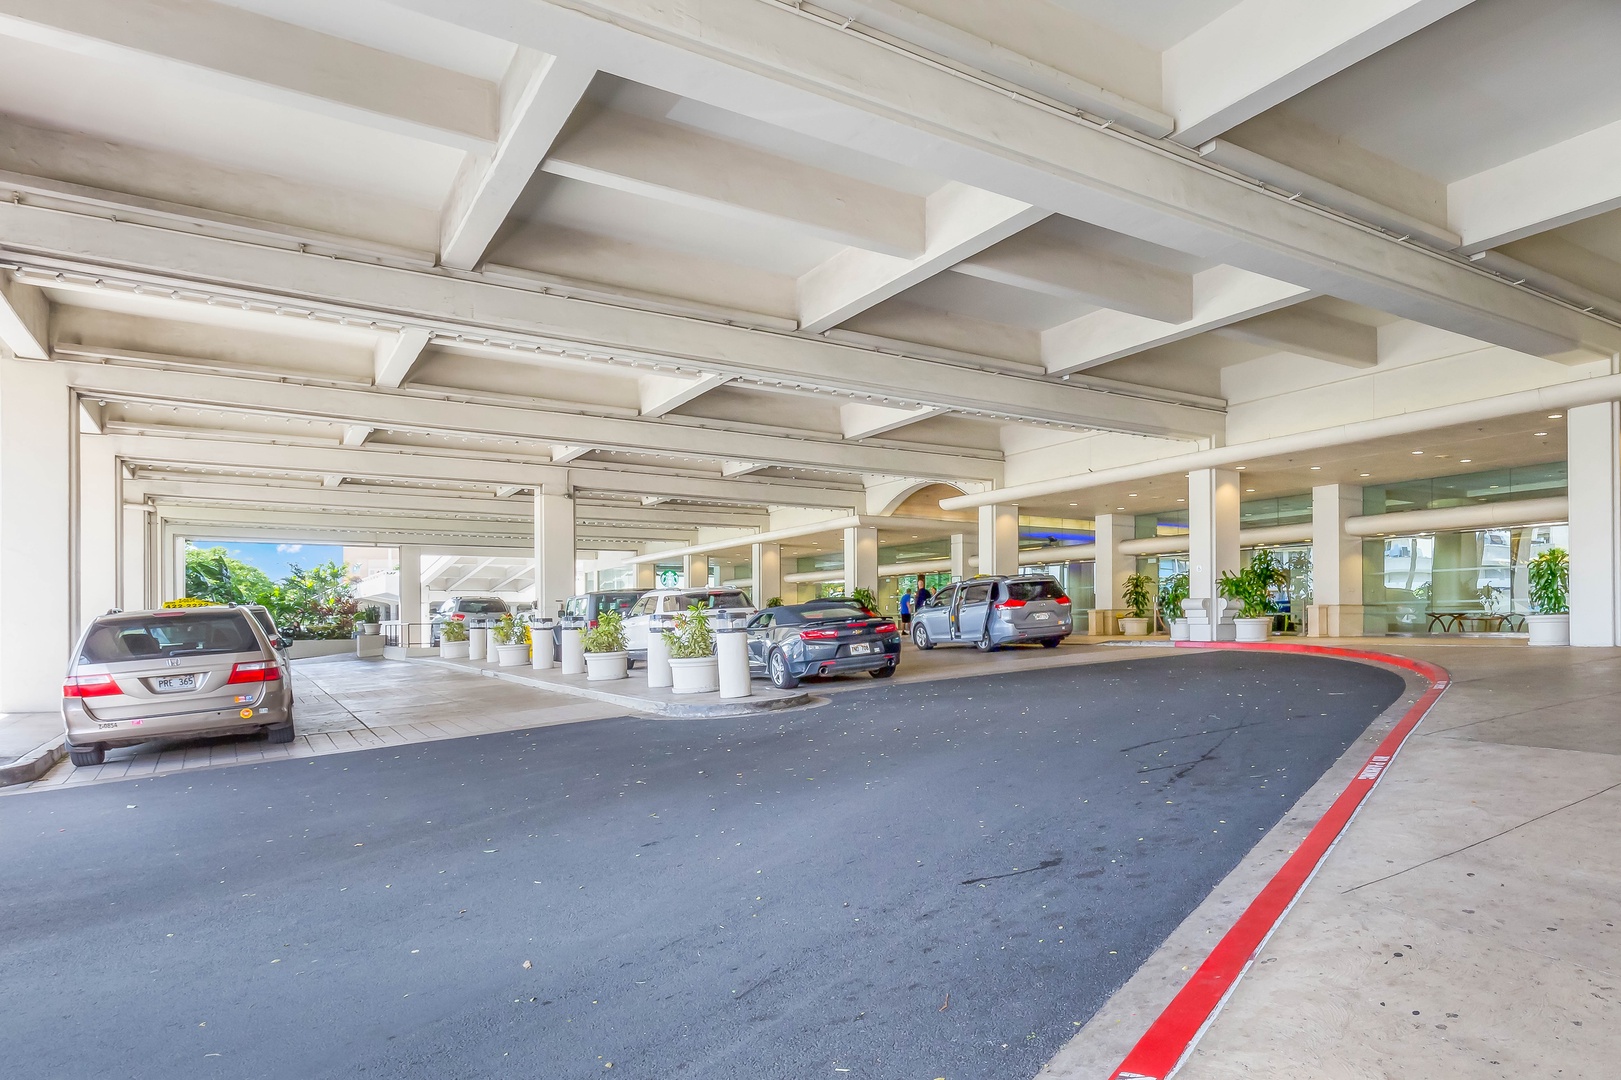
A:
x: 276, y: 559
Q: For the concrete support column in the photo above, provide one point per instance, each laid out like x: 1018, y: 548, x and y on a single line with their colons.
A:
x: 1336, y: 563
x: 694, y: 571
x: 99, y: 523
x: 554, y: 549
x: 647, y: 576
x: 36, y: 456
x: 410, y: 584
x: 1594, y: 433
x: 1110, y: 569
x: 962, y: 546
x: 172, y: 572
x: 136, y: 558
x: 1212, y: 547
x: 860, y: 559
x: 766, y: 571
x: 999, y: 539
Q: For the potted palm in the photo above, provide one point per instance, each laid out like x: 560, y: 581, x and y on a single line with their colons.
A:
x: 1252, y: 588
x: 1549, y: 622
x: 371, y: 620
x: 1139, y: 597
x: 453, y: 640
x: 511, y: 641
x: 694, y: 668
x: 866, y: 598
x: 605, y: 645
x: 1171, y: 596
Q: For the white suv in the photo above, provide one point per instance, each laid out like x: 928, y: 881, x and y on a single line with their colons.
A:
x: 726, y: 607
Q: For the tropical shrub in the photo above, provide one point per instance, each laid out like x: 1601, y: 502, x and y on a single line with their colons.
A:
x: 1171, y: 595
x: 691, y: 638
x: 509, y: 631
x: 866, y: 598
x: 1550, y: 582
x: 1252, y: 586
x: 453, y: 630
x: 1139, y: 596
x: 608, y: 636
x: 775, y: 601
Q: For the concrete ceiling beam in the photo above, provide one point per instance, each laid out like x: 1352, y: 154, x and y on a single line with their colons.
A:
x: 1338, y: 341
x: 1559, y: 184
x: 1054, y: 267
x: 862, y: 421
x: 397, y: 354
x: 663, y: 394
x: 25, y: 319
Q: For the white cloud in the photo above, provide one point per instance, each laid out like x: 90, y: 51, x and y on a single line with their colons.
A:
x: 289, y: 549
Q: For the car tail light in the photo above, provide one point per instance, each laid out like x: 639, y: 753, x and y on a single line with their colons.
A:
x: 1061, y: 600
x: 1011, y: 603
x: 458, y: 616
x: 884, y: 628
x: 255, y: 671
x: 818, y: 635
x: 83, y: 686
x: 593, y: 624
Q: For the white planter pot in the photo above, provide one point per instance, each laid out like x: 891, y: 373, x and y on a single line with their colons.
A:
x: 452, y: 650
x: 1179, y: 630
x: 1254, y: 629
x: 606, y: 666
x: 371, y: 628
x: 511, y: 655
x: 1548, y: 629
x: 700, y: 675
x: 1134, y: 627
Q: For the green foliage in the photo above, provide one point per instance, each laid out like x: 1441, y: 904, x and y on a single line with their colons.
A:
x: 1550, y: 582
x: 608, y: 636
x: 775, y: 601
x: 866, y: 598
x: 371, y: 614
x: 452, y: 630
x: 509, y: 631
x: 1252, y: 586
x: 1171, y: 596
x: 692, y: 639
x: 1139, y: 596
x: 314, y: 603
x: 214, y: 576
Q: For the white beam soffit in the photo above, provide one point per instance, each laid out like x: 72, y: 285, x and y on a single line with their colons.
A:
x: 437, y: 415
x: 1554, y: 186
x: 188, y: 264
x: 854, y: 521
x: 771, y: 59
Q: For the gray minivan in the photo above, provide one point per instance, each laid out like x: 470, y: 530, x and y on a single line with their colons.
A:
x: 989, y: 612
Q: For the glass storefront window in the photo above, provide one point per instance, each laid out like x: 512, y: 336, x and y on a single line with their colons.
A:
x: 1458, y: 581
x: 1467, y: 489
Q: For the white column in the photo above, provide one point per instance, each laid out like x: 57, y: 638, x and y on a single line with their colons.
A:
x: 137, y: 555
x: 1110, y: 569
x: 999, y: 539
x: 1594, y: 433
x: 694, y: 571
x: 172, y: 572
x: 99, y: 523
x: 860, y: 559
x: 647, y: 576
x: 1336, y: 563
x: 410, y: 585
x: 962, y: 546
x: 35, y: 540
x: 766, y: 571
x: 554, y: 549
x: 1212, y: 546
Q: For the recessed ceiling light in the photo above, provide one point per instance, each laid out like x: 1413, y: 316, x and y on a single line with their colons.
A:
x: 1465, y: 460
x: 1367, y: 474
x: 1075, y: 504
x: 1418, y: 453
x: 1316, y: 468
x: 1131, y: 494
x: 1241, y: 468
x: 1250, y: 490
x: 1181, y: 500
x: 1540, y: 434
x: 1120, y: 508
x: 1555, y: 415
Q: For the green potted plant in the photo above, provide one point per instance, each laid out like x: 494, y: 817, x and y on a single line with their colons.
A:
x: 775, y: 601
x: 1171, y: 595
x: 1138, y: 594
x: 1252, y: 588
x: 511, y: 641
x: 866, y: 598
x: 605, y: 645
x: 694, y: 668
x: 453, y: 640
x: 371, y: 619
x: 1549, y: 622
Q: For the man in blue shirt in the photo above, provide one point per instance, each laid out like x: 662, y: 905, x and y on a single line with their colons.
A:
x: 906, y: 611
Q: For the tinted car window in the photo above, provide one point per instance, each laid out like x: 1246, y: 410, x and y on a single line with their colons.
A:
x: 266, y: 623
x: 715, y: 599
x: 620, y: 602
x: 976, y: 594
x: 943, y: 597
x: 491, y: 606
x: 145, y: 637
x: 1038, y: 589
x: 827, y: 611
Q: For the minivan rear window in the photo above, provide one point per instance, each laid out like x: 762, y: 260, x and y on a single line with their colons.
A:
x: 1037, y: 589
x: 715, y: 600
x: 482, y: 607
x: 180, y: 633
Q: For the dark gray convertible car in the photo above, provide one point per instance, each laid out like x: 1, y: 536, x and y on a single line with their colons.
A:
x: 831, y: 636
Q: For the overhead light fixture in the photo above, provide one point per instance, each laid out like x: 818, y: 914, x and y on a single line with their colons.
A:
x: 1250, y: 490
x: 1316, y: 468
x: 1418, y: 453
x: 1075, y: 504
x: 1365, y: 475
x: 1131, y: 494
x: 1461, y: 461
x: 1555, y: 416
x: 1240, y: 468
x: 1540, y: 434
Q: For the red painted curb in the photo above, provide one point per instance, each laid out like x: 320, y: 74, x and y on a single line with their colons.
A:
x: 1171, y: 1037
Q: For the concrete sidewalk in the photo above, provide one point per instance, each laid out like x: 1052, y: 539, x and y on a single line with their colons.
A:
x: 30, y: 743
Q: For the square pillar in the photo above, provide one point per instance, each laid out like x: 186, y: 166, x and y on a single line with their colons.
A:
x: 1212, y: 549
x: 766, y: 572
x: 1594, y: 434
x: 136, y: 558
x: 36, y: 541
x: 999, y: 539
x: 1336, y: 563
x: 647, y: 576
x: 1110, y: 569
x: 100, y: 519
x: 860, y: 559
x: 554, y: 550
x: 694, y: 571
x: 962, y: 546
x: 409, y: 582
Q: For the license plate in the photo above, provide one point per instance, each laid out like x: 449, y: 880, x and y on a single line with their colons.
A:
x: 860, y: 649
x: 1040, y: 616
x: 171, y: 683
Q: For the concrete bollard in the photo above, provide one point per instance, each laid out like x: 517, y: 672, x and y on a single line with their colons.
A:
x: 541, y: 648
x: 732, y: 647
x: 478, y: 642
x: 573, y: 651
x: 658, y: 655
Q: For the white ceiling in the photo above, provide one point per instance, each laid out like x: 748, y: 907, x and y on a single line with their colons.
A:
x: 1156, y: 24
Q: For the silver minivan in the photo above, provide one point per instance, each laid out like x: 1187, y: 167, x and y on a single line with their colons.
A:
x: 182, y: 671
x: 989, y: 612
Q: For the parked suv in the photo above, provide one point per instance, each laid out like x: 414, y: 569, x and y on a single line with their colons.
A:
x: 143, y: 675
x: 476, y: 611
x: 989, y: 612
x: 727, y: 607
x: 582, y: 611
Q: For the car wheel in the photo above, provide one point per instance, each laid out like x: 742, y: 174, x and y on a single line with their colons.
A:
x: 1050, y: 643
x: 781, y: 677
x: 90, y: 755
x: 279, y: 732
x: 920, y: 638
x: 984, y: 642
x: 884, y: 672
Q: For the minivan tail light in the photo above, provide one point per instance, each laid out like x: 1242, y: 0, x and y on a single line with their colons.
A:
x: 1061, y: 600
x: 818, y: 635
x: 1011, y: 603
x: 256, y: 671
x: 458, y: 616
x: 83, y: 686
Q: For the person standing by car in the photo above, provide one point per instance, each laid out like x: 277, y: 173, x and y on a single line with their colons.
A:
x: 923, y: 594
x: 906, y: 612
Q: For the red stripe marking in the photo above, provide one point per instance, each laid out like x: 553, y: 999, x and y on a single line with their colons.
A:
x: 1171, y: 1037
